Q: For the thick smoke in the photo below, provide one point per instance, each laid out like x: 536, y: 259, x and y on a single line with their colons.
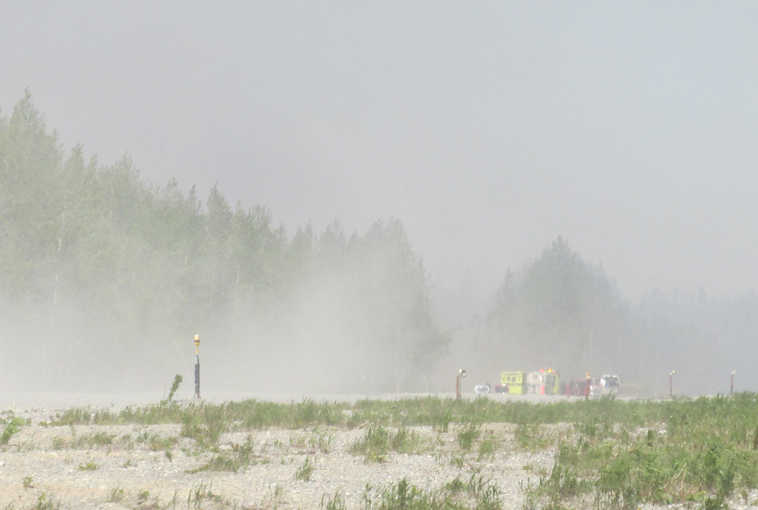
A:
x: 105, y: 277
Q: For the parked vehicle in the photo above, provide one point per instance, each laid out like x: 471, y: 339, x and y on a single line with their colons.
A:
x: 513, y: 383
x: 609, y: 384
x: 573, y: 388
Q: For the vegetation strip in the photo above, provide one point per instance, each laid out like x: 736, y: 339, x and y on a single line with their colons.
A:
x: 608, y: 453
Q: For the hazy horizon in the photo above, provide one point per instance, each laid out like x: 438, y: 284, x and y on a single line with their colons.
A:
x: 601, y: 153
x: 624, y: 128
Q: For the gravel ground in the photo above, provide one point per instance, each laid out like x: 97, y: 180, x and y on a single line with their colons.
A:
x: 75, y: 467
x: 68, y: 466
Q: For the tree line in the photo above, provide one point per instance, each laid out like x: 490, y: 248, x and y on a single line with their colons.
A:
x: 123, y: 271
x: 563, y: 312
x: 104, y: 277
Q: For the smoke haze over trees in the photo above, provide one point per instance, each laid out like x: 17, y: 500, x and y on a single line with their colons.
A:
x: 561, y: 311
x: 104, y: 277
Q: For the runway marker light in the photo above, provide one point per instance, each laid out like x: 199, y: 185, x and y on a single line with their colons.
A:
x: 197, y: 366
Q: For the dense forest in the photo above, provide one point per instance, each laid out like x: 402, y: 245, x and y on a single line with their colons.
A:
x: 105, y: 277
x: 563, y: 312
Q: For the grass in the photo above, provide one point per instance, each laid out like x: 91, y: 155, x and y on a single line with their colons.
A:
x: 117, y: 495
x: 45, y: 502
x: 156, y: 442
x: 333, y: 502
x: 611, y: 454
x: 174, y: 386
x: 701, y: 453
x: 205, y: 426
x: 89, y: 466
x: 476, y: 493
x: 429, y: 411
x: 321, y: 441
x: 467, y: 436
x: 378, y: 441
x: 12, y: 425
x: 143, y: 496
x: 239, y: 458
x: 202, y: 494
x: 488, y: 446
x: 99, y: 439
x: 305, y: 471
x: 529, y: 437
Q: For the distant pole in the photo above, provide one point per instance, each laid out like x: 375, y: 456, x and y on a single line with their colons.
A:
x: 197, y: 366
x: 671, y: 383
x: 731, y: 383
x: 461, y: 374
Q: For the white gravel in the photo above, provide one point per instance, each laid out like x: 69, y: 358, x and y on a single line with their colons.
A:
x: 48, y: 462
x: 53, y: 463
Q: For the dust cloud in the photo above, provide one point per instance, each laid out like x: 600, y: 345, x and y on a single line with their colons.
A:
x: 343, y: 199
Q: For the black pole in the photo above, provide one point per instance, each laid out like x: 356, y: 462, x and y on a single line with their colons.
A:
x: 197, y: 366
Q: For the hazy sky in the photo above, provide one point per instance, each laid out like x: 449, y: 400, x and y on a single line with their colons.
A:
x: 488, y: 128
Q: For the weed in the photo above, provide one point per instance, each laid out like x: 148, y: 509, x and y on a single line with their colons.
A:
x: 200, y: 494
x: 321, y: 442
x: 28, y: 482
x: 333, y: 502
x: 174, y: 386
x: 273, y: 500
x: 674, y: 451
x: 405, y: 495
x: 374, y: 446
x: 205, y: 425
x: 158, y: 443
x: 528, y: 437
x: 405, y: 441
x: 441, y: 420
x: 467, y: 436
x: 455, y: 486
x: 117, y: 495
x: 89, y: 466
x: 297, y: 441
x: 45, y: 502
x: 12, y: 425
x: 487, y: 447
x: 143, y: 496
x: 480, y: 493
x: 484, y: 492
x: 240, y: 457
x: 92, y: 440
x: 378, y: 442
x: 305, y: 471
